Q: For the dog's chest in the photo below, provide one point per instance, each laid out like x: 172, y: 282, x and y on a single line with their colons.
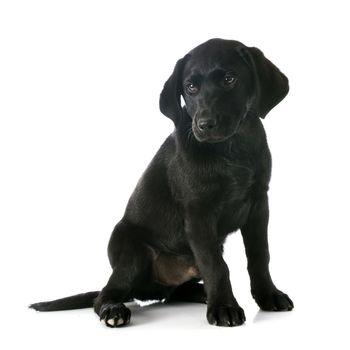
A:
x: 218, y: 182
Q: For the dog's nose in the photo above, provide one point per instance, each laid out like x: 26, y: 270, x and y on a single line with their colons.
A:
x: 206, y: 124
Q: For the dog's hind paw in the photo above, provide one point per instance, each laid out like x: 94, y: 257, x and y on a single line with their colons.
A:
x: 114, y: 315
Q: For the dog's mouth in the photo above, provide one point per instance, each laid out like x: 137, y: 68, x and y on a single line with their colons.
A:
x: 209, y: 139
x: 214, y: 136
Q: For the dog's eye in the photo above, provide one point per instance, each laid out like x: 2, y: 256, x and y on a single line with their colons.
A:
x: 229, y: 79
x: 191, y: 88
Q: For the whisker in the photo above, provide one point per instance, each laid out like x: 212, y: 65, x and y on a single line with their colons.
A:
x: 189, y: 135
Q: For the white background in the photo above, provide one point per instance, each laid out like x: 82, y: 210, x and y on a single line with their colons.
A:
x: 79, y: 88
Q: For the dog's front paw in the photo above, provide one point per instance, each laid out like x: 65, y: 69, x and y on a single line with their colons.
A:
x: 225, y: 316
x: 274, y: 301
x: 114, y: 315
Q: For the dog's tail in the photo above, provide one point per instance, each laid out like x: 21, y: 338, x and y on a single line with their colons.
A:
x: 79, y: 301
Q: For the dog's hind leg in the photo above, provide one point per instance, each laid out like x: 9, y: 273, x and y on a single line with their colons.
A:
x: 131, y: 262
x: 190, y: 291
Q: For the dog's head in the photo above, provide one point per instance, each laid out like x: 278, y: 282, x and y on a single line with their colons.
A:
x: 221, y: 81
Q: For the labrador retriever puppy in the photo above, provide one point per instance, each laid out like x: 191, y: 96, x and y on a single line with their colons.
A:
x: 208, y: 179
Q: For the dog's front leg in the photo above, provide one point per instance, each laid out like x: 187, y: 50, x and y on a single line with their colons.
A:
x: 254, y: 233
x: 223, y: 309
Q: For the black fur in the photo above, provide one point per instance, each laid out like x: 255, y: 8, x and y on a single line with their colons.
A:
x: 208, y: 179
x: 79, y: 301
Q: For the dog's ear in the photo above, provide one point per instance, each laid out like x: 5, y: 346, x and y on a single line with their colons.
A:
x: 271, y: 85
x: 170, y: 97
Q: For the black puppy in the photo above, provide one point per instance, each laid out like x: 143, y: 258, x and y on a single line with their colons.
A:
x: 208, y: 179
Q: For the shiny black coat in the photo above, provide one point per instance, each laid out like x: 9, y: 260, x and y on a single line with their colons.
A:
x: 209, y: 178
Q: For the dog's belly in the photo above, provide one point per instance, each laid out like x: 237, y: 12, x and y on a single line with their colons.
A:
x: 173, y: 270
